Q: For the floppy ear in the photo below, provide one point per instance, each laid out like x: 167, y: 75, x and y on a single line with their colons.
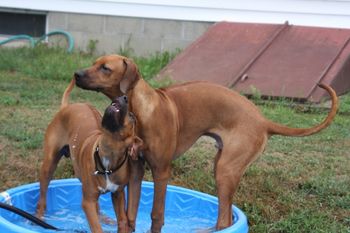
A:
x: 131, y: 74
x: 134, y: 148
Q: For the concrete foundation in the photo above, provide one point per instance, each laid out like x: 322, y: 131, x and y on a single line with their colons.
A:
x: 113, y: 34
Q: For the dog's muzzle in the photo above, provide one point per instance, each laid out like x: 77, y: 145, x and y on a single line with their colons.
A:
x: 79, y: 74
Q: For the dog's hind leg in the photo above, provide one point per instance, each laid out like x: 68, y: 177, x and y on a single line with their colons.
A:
x: 231, y: 163
x: 52, y: 155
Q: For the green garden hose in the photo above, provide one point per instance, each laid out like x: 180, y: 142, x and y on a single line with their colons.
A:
x: 33, y: 42
x: 19, y: 37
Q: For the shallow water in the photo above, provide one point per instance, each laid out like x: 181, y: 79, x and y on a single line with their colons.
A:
x: 186, y: 211
x: 73, y: 220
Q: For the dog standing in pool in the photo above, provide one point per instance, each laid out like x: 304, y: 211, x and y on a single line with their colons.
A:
x: 100, y: 149
x: 171, y: 119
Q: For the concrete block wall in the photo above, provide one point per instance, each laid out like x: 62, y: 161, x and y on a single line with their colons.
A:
x: 113, y: 33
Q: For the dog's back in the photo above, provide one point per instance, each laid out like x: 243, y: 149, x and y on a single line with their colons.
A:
x: 72, y: 124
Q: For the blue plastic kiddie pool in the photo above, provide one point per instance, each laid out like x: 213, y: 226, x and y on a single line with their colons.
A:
x: 186, y: 210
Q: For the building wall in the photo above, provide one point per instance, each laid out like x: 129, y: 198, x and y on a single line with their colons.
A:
x: 143, y: 36
x: 148, y: 26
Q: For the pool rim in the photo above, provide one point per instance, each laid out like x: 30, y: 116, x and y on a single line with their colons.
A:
x: 240, y: 226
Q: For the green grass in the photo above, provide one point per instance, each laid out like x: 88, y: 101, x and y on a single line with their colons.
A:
x: 57, y: 64
x: 297, y: 185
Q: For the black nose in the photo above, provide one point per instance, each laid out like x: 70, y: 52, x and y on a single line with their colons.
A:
x: 78, y: 74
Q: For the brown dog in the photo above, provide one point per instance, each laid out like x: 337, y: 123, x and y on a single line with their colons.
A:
x: 171, y: 119
x: 99, y: 154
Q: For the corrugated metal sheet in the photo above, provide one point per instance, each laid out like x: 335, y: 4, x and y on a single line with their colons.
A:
x: 277, y: 60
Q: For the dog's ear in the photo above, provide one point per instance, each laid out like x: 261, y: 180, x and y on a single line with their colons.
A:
x: 131, y: 75
x: 135, y: 147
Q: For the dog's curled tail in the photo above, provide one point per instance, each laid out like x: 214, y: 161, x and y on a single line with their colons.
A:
x: 65, y: 97
x: 275, y: 128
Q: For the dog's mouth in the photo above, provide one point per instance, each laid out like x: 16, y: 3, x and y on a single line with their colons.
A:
x: 115, y: 106
x: 113, y: 118
x: 119, y: 104
x: 82, y: 81
x: 83, y: 85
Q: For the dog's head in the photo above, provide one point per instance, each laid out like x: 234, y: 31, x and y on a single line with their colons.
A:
x: 113, y: 75
x: 114, y: 117
x: 118, y: 127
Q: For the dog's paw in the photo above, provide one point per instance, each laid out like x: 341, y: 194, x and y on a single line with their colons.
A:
x: 152, y: 231
x: 132, y: 225
x: 123, y: 227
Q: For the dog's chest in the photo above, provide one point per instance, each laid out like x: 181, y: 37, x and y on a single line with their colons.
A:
x: 110, y: 186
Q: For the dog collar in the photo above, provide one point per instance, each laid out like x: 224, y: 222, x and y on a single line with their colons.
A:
x: 104, y: 171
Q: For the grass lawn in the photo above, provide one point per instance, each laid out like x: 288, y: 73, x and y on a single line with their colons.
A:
x: 297, y: 185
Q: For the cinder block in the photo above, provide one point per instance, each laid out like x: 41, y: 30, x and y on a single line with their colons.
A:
x: 57, y: 20
x: 104, y: 44
x: 108, y: 44
x: 193, y: 30
x: 85, y: 23
x: 154, y: 28
x: 58, y: 40
x: 115, y: 25
x: 113, y: 33
x: 80, y: 40
x: 171, y: 45
x: 143, y: 46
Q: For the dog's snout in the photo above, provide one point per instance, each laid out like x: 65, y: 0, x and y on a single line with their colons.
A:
x: 123, y: 100
x: 78, y: 74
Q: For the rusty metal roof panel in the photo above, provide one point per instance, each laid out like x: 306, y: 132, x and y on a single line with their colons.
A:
x: 220, y: 53
x: 295, y: 62
x: 338, y: 76
x: 276, y: 60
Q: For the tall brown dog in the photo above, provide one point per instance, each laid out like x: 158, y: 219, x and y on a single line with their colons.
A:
x: 171, y: 119
x: 99, y: 154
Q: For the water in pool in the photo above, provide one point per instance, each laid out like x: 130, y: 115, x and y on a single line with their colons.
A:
x: 73, y: 220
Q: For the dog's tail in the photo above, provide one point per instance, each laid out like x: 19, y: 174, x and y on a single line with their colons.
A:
x: 275, y: 128
x: 65, y: 97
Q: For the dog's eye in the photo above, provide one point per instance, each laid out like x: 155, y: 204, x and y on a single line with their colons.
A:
x: 104, y: 68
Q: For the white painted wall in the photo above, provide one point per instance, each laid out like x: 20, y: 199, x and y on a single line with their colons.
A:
x: 324, y: 13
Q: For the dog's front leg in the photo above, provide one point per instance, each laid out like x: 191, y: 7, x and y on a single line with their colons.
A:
x: 160, y: 178
x: 134, y: 190
x: 118, y: 200
x: 90, y: 208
